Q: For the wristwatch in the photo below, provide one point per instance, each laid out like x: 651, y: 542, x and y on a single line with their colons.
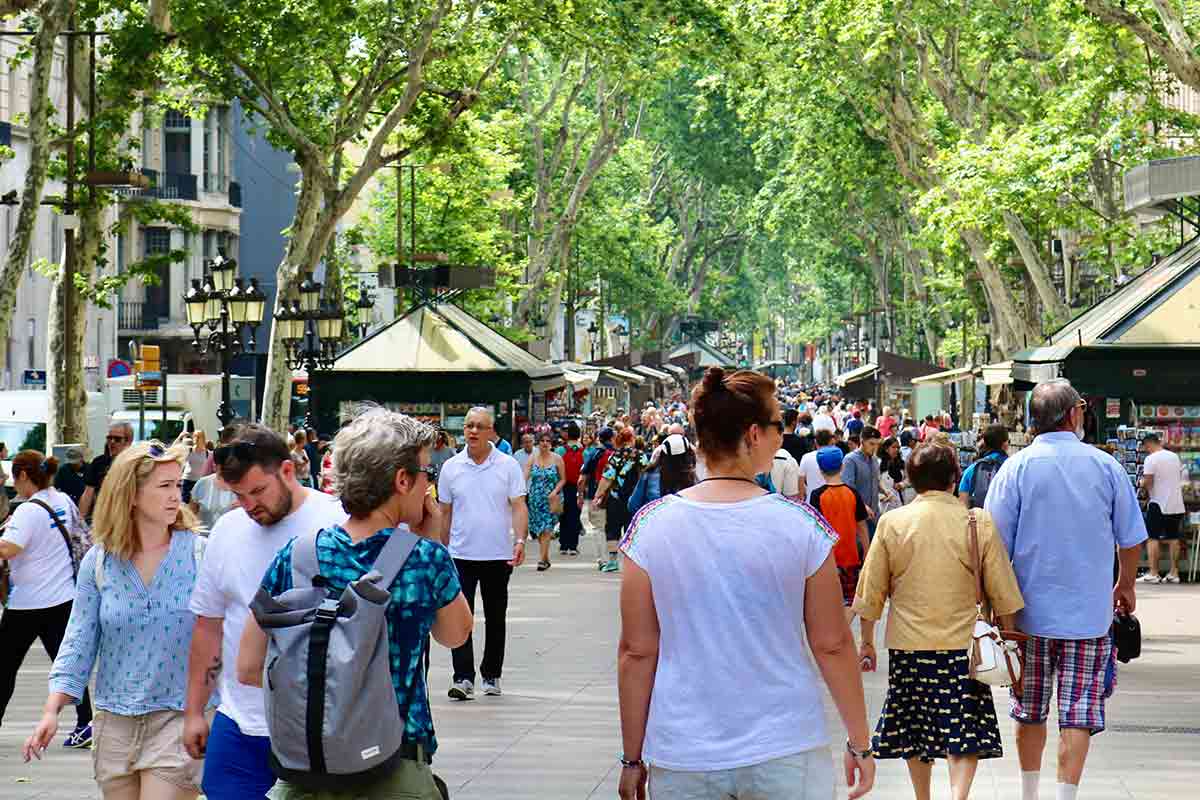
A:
x: 859, y: 754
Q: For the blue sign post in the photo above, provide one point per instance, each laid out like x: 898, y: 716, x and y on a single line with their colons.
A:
x: 34, y: 377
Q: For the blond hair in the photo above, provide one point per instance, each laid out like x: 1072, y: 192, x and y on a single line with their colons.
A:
x: 113, y: 526
x: 199, y: 442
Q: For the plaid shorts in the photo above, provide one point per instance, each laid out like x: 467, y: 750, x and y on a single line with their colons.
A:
x: 1085, y: 672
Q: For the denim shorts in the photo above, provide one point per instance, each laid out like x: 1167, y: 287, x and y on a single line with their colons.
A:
x: 803, y: 776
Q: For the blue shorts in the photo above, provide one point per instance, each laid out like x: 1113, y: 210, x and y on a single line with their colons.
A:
x: 236, y: 766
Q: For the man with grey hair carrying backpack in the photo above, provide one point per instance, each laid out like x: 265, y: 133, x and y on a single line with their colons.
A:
x: 340, y: 623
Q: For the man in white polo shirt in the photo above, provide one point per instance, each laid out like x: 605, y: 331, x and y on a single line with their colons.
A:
x: 482, y: 494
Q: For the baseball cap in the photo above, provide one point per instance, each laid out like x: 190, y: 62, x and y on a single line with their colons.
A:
x: 74, y: 455
x: 829, y: 459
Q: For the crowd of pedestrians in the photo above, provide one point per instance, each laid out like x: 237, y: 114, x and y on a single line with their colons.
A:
x: 751, y: 522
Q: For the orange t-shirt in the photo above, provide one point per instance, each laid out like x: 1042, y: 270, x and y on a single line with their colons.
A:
x: 843, y: 509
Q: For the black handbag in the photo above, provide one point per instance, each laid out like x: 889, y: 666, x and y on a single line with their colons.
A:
x: 1127, y: 637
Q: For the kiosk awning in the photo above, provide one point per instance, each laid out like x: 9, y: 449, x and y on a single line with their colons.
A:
x: 865, y: 371
x: 998, y: 374
x: 946, y: 376
x: 651, y: 372
x: 622, y: 375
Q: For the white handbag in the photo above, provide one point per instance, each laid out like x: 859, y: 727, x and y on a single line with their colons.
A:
x: 995, y: 655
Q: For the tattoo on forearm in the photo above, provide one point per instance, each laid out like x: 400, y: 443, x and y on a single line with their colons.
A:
x: 211, y: 674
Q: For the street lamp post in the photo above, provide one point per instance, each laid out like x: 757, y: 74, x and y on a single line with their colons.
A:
x: 225, y: 307
x: 311, y: 330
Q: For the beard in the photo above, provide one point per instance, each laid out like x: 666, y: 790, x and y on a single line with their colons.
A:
x: 273, y: 515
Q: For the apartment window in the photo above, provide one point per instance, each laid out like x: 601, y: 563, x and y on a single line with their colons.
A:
x: 208, y: 165
x: 177, y: 143
x: 158, y: 298
x: 222, y: 148
x: 120, y: 248
x: 32, y: 339
x: 158, y: 240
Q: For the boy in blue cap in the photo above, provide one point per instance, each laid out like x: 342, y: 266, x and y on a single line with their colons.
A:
x: 844, y: 510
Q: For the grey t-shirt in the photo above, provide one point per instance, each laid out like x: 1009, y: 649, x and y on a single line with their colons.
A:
x: 213, y: 500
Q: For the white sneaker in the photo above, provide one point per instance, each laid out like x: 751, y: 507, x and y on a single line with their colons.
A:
x: 1150, y: 577
x: 462, y: 690
x: 1171, y: 579
x: 491, y: 687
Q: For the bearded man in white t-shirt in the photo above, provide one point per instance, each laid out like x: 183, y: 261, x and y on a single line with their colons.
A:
x: 273, y: 508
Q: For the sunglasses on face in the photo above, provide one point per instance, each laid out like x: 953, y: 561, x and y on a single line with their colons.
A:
x: 777, y: 424
x: 117, y: 439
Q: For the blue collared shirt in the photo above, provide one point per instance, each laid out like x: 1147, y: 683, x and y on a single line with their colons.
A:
x: 136, y: 637
x: 1062, y: 508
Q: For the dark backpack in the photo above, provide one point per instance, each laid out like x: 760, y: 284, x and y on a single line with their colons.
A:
x: 985, y: 470
x: 628, y: 470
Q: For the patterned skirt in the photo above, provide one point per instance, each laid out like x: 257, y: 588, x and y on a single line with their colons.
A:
x: 934, y: 710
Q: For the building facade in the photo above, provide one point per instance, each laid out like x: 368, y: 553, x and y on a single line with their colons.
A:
x: 190, y: 160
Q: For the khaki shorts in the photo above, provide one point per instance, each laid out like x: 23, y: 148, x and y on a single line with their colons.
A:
x: 123, y: 746
x: 412, y: 780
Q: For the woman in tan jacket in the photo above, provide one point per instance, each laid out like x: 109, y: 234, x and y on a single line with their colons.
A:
x: 921, y: 560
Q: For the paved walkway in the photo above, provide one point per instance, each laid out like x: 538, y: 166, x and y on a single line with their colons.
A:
x: 554, y: 733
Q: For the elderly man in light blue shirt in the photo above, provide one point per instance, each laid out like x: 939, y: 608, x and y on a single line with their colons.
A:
x: 1063, y: 508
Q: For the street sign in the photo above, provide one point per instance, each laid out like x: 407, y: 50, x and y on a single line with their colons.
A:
x: 34, y: 377
x: 151, y: 379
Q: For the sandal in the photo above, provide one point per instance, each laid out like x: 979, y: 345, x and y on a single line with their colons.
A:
x: 543, y: 566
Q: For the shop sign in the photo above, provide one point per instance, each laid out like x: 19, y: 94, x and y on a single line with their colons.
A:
x: 1112, y: 407
x: 1139, y: 373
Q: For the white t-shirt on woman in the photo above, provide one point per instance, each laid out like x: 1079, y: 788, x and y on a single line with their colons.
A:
x: 735, y: 684
x: 41, y: 573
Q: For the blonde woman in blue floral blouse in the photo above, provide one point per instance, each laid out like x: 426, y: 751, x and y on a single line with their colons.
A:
x: 131, y: 622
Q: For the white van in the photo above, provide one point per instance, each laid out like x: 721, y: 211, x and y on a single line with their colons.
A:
x: 23, y: 418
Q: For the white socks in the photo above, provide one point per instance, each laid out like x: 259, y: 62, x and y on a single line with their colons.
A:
x: 1029, y: 785
x: 1067, y: 791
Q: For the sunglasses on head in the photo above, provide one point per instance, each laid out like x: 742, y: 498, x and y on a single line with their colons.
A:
x: 242, y: 451
x: 430, y: 471
x: 157, y: 450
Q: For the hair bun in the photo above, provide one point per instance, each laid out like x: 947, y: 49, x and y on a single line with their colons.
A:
x: 714, y: 379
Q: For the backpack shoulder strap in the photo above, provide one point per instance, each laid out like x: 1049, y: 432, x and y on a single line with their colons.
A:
x: 304, y: 560
x: 65, y: 535
x: 391, y: 558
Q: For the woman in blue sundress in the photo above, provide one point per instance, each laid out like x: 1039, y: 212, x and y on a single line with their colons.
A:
x: 545, y: 474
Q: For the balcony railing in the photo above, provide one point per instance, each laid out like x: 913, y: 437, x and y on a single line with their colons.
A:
x: 137, y: 316
x: 235, y: 194
x: 216, y: 182
x: 170, y: 185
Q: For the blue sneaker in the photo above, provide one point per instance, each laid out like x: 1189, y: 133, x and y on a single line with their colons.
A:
x: 80, y: 738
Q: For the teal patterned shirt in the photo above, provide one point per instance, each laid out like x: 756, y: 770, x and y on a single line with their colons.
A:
x: 427, y: 582
x: 136, y: 637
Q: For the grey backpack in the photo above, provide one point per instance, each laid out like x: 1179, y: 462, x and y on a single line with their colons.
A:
x: 331, y: 708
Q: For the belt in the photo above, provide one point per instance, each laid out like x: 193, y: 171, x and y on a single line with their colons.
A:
x: 415, y: 752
